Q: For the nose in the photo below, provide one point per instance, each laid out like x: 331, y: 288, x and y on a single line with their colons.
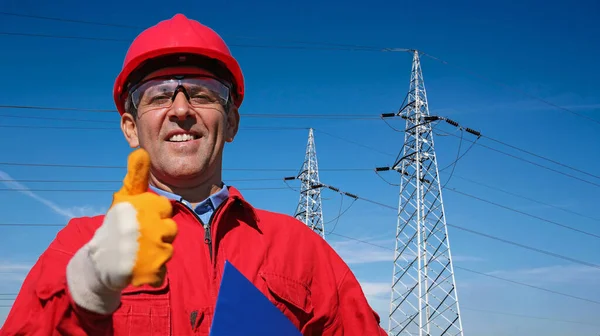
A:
x: 180, y: 109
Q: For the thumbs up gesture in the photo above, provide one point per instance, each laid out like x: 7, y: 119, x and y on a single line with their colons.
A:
x: 131, y: 247
x: 134, y: 242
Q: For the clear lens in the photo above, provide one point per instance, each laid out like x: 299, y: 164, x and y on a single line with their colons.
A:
x: 160, y: 93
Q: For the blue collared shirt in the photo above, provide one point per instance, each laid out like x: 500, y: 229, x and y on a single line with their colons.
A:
x: 205, y: 208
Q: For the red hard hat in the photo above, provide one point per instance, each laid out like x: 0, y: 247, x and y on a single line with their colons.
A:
x: 176, y: 36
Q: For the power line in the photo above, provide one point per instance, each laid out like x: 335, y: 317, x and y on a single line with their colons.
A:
x: 55, y: 108
x: 96, y: 23
x: 243, y: 115
x: 238, y: 45
x: 375, y: 245
x: 271, y: 169
x: 531, y: 248
x: 116, y: 128
x: 484, y: 274
x: 528, y: 285
x: 528, y: 198
x: 554, y: 319
x: 111, y: 190
x: 320, y: 116
x: 542, y: 157
x: 506, y: 241
x: 32, y: 224
x: 475, y: 142
x: 324, y: 116
x: 118, y: 181
x: 88, y: 38
x: 525, y: 213
x: 520, y: 91
x: 384, y: 247
x: 113, y: 128
x: 352, y: 142
x: 531, y: 162
x: 509, y: 208
x: 112, y: 122
x: 59, y: 165
x: 323, y: 46
x: 343, y: 169
x: 481, y: 234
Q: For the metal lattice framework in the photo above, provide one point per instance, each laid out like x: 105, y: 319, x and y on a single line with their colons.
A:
x: 424, y: 299
x: 310, y: 210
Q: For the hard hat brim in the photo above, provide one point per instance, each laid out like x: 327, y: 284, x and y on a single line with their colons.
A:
x: 228, y: 62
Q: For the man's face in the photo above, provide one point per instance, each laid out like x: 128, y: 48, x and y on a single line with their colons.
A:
x: 185, y: 138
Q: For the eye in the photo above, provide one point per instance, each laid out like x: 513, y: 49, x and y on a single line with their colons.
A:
x: 160, y: 99
x: 201, y: 95
x: 202, y: 99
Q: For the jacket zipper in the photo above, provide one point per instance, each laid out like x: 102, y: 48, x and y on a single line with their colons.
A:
x: 207, y: 227
x: 208, y: 241
x: 207, y: 235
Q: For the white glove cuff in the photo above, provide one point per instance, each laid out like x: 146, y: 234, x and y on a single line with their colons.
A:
x: 85, y: 285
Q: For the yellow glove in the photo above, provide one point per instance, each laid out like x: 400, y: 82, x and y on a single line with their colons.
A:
x: 132, y: 245
x: 154, y: 228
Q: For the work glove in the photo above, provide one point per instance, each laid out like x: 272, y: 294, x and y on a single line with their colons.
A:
x: 131, y: 247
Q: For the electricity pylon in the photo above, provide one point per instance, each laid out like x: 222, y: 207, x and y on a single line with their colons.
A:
x: 309, y: 209
x: 424, y: 299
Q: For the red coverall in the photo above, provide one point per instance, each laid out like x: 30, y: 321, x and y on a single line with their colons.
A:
x: 299, y: 272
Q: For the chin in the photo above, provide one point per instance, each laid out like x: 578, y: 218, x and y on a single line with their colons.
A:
x: 185, y: 171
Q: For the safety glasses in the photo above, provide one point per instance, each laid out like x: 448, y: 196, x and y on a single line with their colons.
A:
x: 159, y: 93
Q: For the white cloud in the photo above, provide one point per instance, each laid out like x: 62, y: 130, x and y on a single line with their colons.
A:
x: 83, y: 211
x: 13, y: 271
x: 353, y: 252
x: 12, y: 266
x: 376, y: 289
x: 66, y: 212
x: 565, y: 274
x: 465, y: 258
x: 378, y: 296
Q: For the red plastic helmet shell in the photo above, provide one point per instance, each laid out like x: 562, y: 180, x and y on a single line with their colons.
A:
x: 175, y: 36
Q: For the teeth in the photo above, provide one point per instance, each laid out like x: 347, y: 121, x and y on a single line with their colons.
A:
x: 181, y: 137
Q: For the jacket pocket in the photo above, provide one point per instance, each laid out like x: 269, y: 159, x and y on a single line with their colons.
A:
x: 292, y: 297
x: 144, y: 310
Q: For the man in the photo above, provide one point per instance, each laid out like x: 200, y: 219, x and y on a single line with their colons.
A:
x: 153, y: 263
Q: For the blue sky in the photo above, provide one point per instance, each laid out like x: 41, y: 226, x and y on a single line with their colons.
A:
x: 547, y: 49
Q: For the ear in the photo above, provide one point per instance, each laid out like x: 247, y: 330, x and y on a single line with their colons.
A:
x: 129, y: 128
x: 233, y: 123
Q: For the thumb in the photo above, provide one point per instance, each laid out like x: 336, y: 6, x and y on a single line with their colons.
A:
x: 138, y: 171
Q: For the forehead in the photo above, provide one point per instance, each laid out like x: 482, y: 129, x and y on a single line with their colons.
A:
x: 178, y: 70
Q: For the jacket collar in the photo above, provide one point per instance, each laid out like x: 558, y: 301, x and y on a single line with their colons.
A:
x: 234, y: 196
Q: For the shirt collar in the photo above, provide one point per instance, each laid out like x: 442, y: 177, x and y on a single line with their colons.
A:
x: 212, y: 201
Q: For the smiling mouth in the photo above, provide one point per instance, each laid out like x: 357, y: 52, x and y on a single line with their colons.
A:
x: 182, y: 137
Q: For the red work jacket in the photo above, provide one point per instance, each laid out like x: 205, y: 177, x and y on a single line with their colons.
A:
x: 288, y: 262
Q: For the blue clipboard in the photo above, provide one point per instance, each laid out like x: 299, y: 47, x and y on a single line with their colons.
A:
x: 242, y: 309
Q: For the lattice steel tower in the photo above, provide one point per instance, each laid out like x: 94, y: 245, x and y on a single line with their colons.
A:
x: 310, y: 210
x: 424, y: 300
